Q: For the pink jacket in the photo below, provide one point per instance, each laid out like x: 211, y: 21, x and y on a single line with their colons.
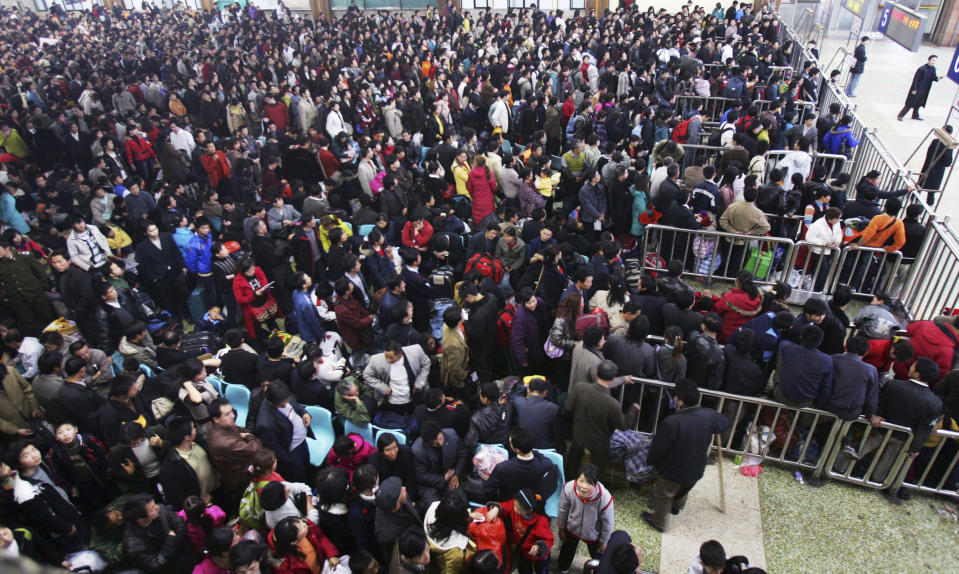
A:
x: 482, y: 187
x: 363, y: 450
x: 195, y: 532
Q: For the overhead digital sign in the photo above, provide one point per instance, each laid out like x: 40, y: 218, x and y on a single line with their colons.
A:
x: 902, y: 25
x: 857, y: 7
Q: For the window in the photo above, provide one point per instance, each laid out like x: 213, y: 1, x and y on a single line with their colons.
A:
x: 41, y: 5
x: 478, y: 4
x: 577, y: 4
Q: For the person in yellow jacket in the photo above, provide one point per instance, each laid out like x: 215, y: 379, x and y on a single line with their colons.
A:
x: 11, y: 141
x: 461, y: 173
x: 117, y: 239
x: 327, y: 224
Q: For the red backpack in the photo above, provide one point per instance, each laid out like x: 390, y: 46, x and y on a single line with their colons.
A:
x: 504, y: 323
x: 487, y: 265
x: 681, y: 132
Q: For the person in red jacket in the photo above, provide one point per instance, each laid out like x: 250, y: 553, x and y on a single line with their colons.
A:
x: 253, y: 296
x: 355, y: 321
x: 417, y: 232
x: 527, y: 530
x: 937, y: 340
x: 217, y: 168
x: 349, y: 452
x: 739, y: 305
x: 140, y: 153
x: 302, y: 546
x: 277, y: 112
x: 482, y: 188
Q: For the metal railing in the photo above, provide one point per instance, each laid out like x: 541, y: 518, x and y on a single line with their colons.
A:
x: 713, y: 255
x: 830, y: 161
x: 868, y: 270
x: 937, y: 467
x: 933, y: 281
x: 876, y: 461
x: 810, y: 269
x: 713, y: 107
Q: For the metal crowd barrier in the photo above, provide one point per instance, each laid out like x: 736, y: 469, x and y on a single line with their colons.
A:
x: 750, y: 416
x: 937, y: 468
x: 933, y: 282
x: 809, y: 272
x: 711, y: 255
x: 829, y: 160
x: 882, y: 451
x: 867, y: 270
x: 713, y: 107
x: 710, y: 152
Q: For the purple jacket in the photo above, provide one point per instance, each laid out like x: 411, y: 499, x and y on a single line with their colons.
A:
x: 526, y: 340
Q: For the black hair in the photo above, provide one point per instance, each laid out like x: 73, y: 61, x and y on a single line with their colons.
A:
x: 332, y: 485
x: 452, y: 515
x: 278, y: 393
x: 713, y: 322
x: 811, y: 336
x: 712, y: 554
x: 590, y: 472
x: 687, y: 392
x: 522, y: 439
x: 412, y: 542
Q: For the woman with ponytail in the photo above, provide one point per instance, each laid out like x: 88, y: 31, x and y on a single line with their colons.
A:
x: 201, y: 519
x: 670, y: 360
x: 262, y: 472
x: 528, y: 534
x: 738, y: 305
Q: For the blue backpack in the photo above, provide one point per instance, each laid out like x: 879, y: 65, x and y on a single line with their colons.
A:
x: 735, y: 86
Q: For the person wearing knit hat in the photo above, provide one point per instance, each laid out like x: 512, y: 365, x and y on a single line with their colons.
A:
x: 394, y: 514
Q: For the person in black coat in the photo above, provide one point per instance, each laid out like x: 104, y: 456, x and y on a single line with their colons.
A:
x: 540, y: 415
x: 155, y: 539
x: 704, y: 356
x: 238, y: 365
x: 418, y: 289
x: 651, y: 302
x: 78, y: 402
x: 438, y: 409
x: 919, y: 89
x: 938, y: 158
x: 117, y: 311
x: 271, y: 255
x: 274, y: 366
x: 160, y: 267
x: 678, y: 214
x: 440, y: 459
x: 309, y: 390
x: 393, y: 459
x: 395, y: 514
x: 361, y: 515
x: 678, y: 452
x: 76, y: 289
x: 283, y: 425
x: 742, y: 375
x: 526, y: 469
x: 482, y: 329
x: 544, y: 276
x: 681, y: 313
x: 177, y: 476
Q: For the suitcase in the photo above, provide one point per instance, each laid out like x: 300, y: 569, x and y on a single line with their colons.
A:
x: 196, y: 343
x: 442, y: 281
x: 196, y: 305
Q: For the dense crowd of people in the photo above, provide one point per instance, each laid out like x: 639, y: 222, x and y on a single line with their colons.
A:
x: 427, y: 223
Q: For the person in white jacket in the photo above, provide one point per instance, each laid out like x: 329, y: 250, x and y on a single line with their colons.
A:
x: 334, y: 121
x: 585, y: 514
x: 499, y: 112
x: 86, y: 246
x: 827, y: 233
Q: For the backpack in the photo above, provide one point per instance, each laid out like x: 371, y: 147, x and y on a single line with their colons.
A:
x: 504, y: 323
x: 681, y: 132
x: 487, y: 265
x: 770, y: 199
x: 442, y: 281
x: 586, y: 320
x: 735, y: 87
x: 716, y: 138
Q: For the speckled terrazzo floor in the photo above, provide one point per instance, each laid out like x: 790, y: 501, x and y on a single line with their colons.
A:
x: 844, y: 528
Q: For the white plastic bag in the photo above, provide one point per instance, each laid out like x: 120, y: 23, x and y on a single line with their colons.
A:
x: 757, y: 443
x: 486, y: 459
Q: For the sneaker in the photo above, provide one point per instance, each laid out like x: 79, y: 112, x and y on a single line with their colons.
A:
x: 892, y: 497
x: 648, y: 519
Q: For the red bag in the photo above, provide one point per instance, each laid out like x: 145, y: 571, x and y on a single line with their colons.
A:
x: 655, y: 261
x: 681, y: 132
x: 488, y: 535
x: 487, y: 265
x: 598, y: 319
x: 504, y: 323
x: 650, y: 216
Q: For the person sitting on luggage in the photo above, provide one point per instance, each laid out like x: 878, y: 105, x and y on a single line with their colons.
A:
x: 525, y: 470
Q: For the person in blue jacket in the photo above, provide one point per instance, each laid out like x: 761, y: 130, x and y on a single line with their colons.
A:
x: 307, y: 317
x: 198, y: 256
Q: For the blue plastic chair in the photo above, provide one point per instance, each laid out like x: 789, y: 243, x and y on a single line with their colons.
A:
x: 218, y: 383
x: 318, y: 451
x: 321, y: 422
x: 148, y: 371
x: 239, y: 397
x: 117, y: 365
x: 552, y: 503
x: 380, y: 431
x: 365, y: 431
x: 365, y: 229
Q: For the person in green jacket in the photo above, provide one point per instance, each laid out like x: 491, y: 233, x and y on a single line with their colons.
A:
x: 349, y: 404
x: 24, y: 281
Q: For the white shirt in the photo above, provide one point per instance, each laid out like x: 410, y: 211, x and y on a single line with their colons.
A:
x: 399, y: 384
x: 183, y: 141
x: 28, y: 354
x: 299, y: 429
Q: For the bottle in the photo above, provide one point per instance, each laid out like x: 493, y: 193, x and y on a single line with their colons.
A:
x: 799, y: 478
x: 738, y: 459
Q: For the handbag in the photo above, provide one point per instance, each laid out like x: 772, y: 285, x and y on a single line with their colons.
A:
x: 266, y: 311
x: 759, y: 262
x: 551, y: 350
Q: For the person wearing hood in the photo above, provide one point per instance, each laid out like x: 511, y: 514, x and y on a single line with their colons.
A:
x: 585, y: 514
x: 349, y: 452
x: 445, y: 524
x: 394, y: 514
